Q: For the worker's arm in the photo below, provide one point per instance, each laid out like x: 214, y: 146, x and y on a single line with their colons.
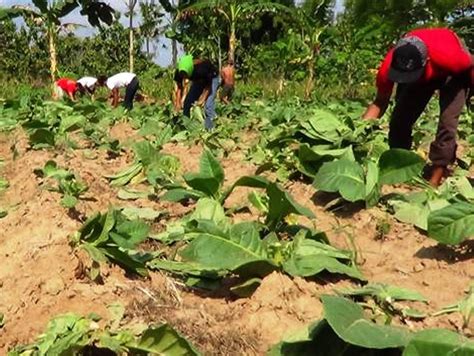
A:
x: 205, y: 94
x: 115, y: 97
x: 376, y: 109
x: 178, y: 95
x: 71, y: 95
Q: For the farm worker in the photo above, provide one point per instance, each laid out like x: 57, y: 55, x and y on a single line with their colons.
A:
x: 422, y: 62
x: 205, y: 82
x: 64, y: 86
x: 227, y: 82
x: 126, y: 80
x: 89, y: 84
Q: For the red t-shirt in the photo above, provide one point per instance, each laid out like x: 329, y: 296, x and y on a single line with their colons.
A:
x: 446, y: 56
x: 68, y: 85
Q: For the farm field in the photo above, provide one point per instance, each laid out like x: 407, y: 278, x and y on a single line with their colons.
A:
x: 288, y: 214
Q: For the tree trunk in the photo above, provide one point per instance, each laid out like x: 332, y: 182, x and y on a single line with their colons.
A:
x: 130, y: 53
x: 52, y: 56
x: 174, y: 52
x: 232, y: 44
x: 310, y: 82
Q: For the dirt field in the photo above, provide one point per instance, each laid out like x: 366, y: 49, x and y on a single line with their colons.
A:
x: 41, y: 275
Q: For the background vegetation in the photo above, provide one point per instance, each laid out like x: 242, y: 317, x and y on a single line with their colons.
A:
x: 281, y: 47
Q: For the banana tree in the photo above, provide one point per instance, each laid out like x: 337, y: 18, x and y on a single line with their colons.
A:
x: 130, y: 12
x: 49, y: 15
x: 313, y: 17
x: 234, y: 13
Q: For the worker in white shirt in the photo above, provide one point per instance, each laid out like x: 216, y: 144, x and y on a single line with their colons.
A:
x: 89, y: 84
x: 126, y: 80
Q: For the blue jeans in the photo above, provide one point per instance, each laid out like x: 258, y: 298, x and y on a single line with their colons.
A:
x: 194, y: 93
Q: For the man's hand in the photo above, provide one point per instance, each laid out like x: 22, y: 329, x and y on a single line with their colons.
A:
x: 377, y: 108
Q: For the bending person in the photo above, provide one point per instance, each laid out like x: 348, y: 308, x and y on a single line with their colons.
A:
x: 204, y: 78
x: 422, y: 62
x: 89, y: 84
x: 227, y: 82
x: 126, y: 80
x: 65, y: 86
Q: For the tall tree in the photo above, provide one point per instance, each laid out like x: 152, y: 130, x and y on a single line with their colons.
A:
x: 151, y: 26
x: 130, y: 13
x: 235, y: 13
x: 49, y: 15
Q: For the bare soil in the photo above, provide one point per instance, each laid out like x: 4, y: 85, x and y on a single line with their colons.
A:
x: 41, y: 277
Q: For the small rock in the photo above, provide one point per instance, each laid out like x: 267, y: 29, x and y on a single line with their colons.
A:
x: 426, y: 283
x: 53, y: 286
x: 418, y: 268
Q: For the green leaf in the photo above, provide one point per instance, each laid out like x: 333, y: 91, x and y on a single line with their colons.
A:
x: 310, y: 159
x: 439, y: 342
x: 399, y: 166
x: 312, y: 265
x: 181, y: 194
x: 372, y: 186
x: 124, y: 260
x: 205, y: 184
x: 214, y: 247
x: 343, y: 176
x: 324, y: 125
x: 163, y: 340
x: 69, y: 201
x: 246, y: 181
x: 185, y: 268
x: 384, y: 293
x: 347, y: 319
x: 453, y: 224
x: 209, y: 209
x: 129, y: 234
x: 411, y: 213
x: 42, y: 138
x: 133, y: 213
x: 280, y: 205
x: 209, y: 166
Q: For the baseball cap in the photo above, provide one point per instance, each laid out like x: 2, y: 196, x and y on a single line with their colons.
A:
x: 408, y: 60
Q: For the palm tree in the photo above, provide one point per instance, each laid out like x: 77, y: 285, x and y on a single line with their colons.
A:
x: 130, y: 12
x: 49, y: 15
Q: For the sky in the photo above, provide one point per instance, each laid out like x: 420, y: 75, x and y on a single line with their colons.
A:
x: 162, y: 46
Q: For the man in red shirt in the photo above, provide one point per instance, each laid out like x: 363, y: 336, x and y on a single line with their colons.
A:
x: 65, y: 85
x: 422, y: 62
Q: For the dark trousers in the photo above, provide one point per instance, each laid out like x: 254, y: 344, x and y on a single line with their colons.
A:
x: 194, y: 94
x: 130, y: 92
x: 411, y: 100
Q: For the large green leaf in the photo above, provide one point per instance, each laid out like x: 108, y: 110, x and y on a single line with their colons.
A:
x: 129, y: 234
x: 246, y: 181
x: 312, y: 265
x: 439, y: 342
x: 411, y: 213
x: 282, y: 204
x: 209, y: 166
x: 343, y: 176
x: 310, y: 159
x: 347, y: 319
x: 207, y: 184
x: 209, y: 209
x: 163, y: 340
x: 453, y: 224
x: 399, y: 166
x: 324, y: 125
x: 226, y: 249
